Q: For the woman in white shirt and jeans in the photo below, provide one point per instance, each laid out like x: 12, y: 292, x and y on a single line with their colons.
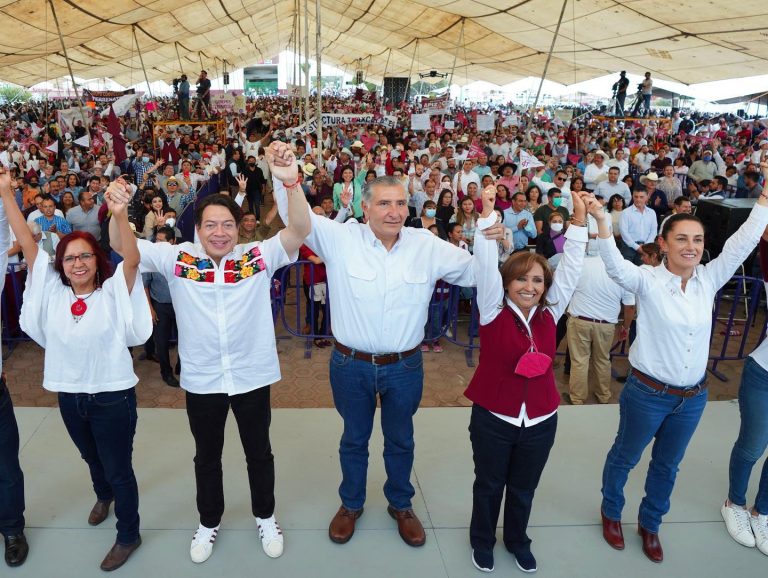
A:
x: 665, y: 393
x: 86, y: 318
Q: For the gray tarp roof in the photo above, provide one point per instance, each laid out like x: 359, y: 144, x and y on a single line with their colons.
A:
x: 688, y: 41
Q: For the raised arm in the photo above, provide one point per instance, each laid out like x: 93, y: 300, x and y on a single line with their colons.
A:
x: 283, y: 166
x: 16, y: 219
x: 567, y: 275
x: 485, y: 263
x: 741, y: 243
x: 117, y: 197
x: 623, y: 272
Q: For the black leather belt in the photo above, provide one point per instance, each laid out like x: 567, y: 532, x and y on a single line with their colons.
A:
x: 591, y: 320
x: 670, y: 389
x: 376, y: 358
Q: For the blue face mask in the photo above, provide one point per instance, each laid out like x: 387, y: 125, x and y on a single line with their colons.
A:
x: 145, y: 159
x: 557, y: 201
x: 707, y: 158
x: 430, y: 213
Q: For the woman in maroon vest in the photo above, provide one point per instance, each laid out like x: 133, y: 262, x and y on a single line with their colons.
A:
x: 514, y: 416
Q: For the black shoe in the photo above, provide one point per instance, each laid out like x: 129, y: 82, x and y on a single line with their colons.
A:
x: 171, y: 380
x: 16, y: 549
x: 483, y: 560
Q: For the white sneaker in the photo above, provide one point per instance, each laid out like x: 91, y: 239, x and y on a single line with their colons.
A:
x: 271, y: 536
x: 760, y: 528
x: 738, y: 524
x: 202, y: 544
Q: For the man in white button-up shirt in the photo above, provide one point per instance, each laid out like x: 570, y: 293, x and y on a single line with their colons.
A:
x: 638, y: 226
x: 381, y: 277
x: 228, y: 357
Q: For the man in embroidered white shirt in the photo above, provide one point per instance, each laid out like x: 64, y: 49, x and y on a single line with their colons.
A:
x: 381, y: 277
x: 212, y: 283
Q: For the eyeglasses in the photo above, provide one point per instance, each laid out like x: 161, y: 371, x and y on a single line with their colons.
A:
x: 70, y: 259
x: 172, y: 184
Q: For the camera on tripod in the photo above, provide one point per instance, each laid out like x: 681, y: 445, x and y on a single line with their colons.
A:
x: 176, y: 82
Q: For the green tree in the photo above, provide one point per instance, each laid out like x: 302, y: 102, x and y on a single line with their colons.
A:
x: 14, y: 94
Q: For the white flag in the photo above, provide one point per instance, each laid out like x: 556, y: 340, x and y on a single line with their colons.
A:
x: 83, y: 141
x: 528, y: 161
x: 54, y: 148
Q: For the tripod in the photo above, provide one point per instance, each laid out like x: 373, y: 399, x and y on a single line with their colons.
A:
x: 198, y: 106
x: 637, y: 103
x: 615, y: 105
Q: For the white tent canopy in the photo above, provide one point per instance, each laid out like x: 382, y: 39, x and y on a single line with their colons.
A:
x: 688, y: 41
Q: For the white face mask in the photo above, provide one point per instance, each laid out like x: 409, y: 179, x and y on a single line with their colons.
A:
x: 556, y: 227
x: 170, y: 221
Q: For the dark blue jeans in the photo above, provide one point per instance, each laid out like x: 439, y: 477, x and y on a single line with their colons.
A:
x: 645, y: 414
x: 102, y: 425
x: 11, y: 476
x: 355, y: 385
x: 506, y: 457
x: 753, y: 437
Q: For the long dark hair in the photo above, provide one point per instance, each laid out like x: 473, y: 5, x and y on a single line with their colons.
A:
x: 103, y: 265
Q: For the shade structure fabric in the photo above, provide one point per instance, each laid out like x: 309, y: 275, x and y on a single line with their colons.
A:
x: 688, y: 41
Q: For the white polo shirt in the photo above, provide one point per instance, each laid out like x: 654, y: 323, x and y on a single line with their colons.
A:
x: 226, y: 332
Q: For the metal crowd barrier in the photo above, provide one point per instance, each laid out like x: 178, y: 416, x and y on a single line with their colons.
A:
x: 449, y: 317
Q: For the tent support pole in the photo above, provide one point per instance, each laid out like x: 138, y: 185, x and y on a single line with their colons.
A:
x: 549, y: 56
x: 141, y: 60
x: 176, y: 46
x: 69, y: 65
x: 319, y: 83
x: 456, y: 56
x: 306, y: 61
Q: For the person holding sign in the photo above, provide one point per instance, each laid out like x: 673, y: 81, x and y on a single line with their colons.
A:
x: 85, y: 318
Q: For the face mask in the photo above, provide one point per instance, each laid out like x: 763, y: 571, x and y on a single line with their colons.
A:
x: 145, y: 159
x: 557, y: 201
x: 707, y: 159
x: 430, y: 213
x: 556, y: 227
x: 251, y: 165
x: 170, y: 221
x: 236, y: 145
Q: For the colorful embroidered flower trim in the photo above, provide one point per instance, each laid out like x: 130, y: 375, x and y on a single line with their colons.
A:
x: 247, y: 266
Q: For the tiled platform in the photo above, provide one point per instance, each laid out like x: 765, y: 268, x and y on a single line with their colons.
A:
x: 564, y: 526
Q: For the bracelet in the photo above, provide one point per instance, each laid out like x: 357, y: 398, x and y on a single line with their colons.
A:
x: 293, y: 185
x: 578, y: 222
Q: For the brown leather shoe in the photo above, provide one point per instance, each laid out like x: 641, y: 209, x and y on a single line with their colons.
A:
x: 118, y: 555
x: 612, y: 532
x: 651, y: 545
x: 343, y: 525
x: 99, y: 512
x: 409, y: 526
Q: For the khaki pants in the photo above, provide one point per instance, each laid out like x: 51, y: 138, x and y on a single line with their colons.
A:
x: 590, y: 347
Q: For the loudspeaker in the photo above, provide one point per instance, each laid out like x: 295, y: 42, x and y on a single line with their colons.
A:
x: 742, y: 113
x: 396, y: 89
x: 721, y: 218
x: 226, y: 78
x: 359, y: 77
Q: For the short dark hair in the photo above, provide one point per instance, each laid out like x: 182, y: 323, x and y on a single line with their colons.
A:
x: 754, y: 176
x: 674, y: 220
x: 218, y: 200
x: 170, y: 234
x: 678, y: 202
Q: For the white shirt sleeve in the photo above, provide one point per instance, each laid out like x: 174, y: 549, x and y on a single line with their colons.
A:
x: 485, y: 264
x: 568, y: 271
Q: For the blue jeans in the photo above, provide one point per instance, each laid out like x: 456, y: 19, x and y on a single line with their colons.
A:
x: 355, y: 385
x: 102, y: 426
x: 645, y: 414
x: 11, y: 476
x: 753, y: 437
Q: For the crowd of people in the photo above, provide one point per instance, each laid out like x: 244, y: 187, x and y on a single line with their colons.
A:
x: 560, y: 225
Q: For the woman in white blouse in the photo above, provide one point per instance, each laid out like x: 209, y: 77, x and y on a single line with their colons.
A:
x: 665, y: 393
x: 86, y: 318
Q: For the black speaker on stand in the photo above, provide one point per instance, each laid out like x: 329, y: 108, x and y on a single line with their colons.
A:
x: 721, y: 218
x: 396, y: 89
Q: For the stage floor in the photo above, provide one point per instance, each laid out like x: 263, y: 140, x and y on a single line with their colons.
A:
x: 565, y: 525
